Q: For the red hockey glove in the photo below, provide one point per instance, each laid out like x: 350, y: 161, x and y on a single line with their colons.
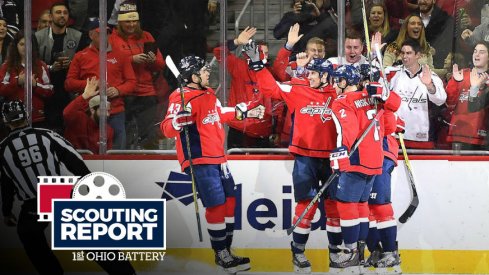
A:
x: 400, y: 125
x: 339, y: 159
x: 181, y: 119
x: 249, y: 109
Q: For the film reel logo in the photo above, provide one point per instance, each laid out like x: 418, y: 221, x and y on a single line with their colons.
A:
x: 99, y: 185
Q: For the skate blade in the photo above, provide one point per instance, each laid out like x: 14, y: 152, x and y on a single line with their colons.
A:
x: 368, y: 270
x: 347, y: 270
x: 303, y: 270
x: 222, y: 270
x: 243, y: 267
x: 389, y: 270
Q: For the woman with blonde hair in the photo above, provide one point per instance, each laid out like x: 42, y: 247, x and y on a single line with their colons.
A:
x: 411, y: 28
x: 378, y: 21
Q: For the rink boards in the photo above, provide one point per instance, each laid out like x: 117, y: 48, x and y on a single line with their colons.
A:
x: 447, y: 234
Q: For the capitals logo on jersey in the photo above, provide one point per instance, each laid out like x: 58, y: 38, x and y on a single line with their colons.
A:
x: 212, y: 118
x: 317, y: 108
x: 464, y: 96
x: 421, y: 99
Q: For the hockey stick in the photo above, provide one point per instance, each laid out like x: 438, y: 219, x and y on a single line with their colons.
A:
x: 336, y: 173
x: 176, y: 73
x: 409, y: 170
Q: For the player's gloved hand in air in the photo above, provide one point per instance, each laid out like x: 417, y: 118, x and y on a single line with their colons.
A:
x: 400, y: 125
x: 255, y: 56
x: 10, y: 220
x: 181, y: 119
x: 377, y: 90
x: 249, y: 110
x: 339, y: 160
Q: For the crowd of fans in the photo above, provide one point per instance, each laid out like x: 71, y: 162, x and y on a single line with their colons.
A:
x: 452, y: 36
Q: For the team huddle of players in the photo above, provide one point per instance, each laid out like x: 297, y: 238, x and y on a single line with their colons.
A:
x: 332, y: 107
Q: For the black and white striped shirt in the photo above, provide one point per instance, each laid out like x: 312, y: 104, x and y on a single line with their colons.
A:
x: 30, y: 152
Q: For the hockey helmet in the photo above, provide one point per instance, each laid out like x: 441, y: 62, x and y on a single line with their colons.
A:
x: 320, y: 65
x: 348, y: 73
x: 366, y: 70
x: 190, y: 65
x: 13, y: 111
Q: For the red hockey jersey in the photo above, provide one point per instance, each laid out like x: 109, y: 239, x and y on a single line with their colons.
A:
x: 352, y: 113
x: 313, y: 131
x: 465, y: 126
x: 206, y: 134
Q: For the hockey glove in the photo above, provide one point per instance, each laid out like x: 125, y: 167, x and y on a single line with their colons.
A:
x: 376, y: 90
x: 339, y: 159
x: 400, y: 125
x: 181, y: 119
x: 249, y: 110
x: 254, y: 56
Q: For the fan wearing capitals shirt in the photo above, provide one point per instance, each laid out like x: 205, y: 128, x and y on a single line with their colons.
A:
x: 313, y: 136
x: 352, y: 113
x: 420, y: 89
x: 203, y: 116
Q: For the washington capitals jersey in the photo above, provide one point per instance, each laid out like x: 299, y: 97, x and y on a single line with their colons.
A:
x: 352, y: 113
x: 206, y: 134
x: 465, y: 126
x: 313, y: 131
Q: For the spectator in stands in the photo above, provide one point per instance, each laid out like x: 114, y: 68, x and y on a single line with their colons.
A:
x: 378, y: 19
x: 244, y: 88
x: 439, y: 30
x: 121, y: 80
x: 44, y: 20
x: 468, y: 130
x: 398, y: 10
x: 12, y: 75
x: 412, y: 28
x: 57, y: 46
x: 13, y: 14
x: 82, y: 118
x: 130, y: 40
x: 304, y: 12
x: 353, y: 49
x: 420, y: 89
x: 4, y: 40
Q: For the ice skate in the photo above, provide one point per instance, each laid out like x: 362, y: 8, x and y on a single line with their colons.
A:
x: 301, y: 264
x: 389, y: 263
x: 344, y: 261
x: 231, y: 264
x: 369, y: 266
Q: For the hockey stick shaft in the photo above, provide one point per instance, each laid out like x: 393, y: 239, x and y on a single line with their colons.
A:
x: 409, y: 170
x: 176, y: 73
x: 335, y: 173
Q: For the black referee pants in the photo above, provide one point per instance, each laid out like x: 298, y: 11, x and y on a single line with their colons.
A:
x: 31, y: 233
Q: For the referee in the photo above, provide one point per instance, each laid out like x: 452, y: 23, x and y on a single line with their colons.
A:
x: 25, y: 154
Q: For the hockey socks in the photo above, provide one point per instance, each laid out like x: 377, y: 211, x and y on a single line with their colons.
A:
x: 386, y: 226
x: 229, y: 219
x: 216, y: 226
x: 300, y: 234
x: 363, y: 213
x: 333, y: 226
x: 350, y: 223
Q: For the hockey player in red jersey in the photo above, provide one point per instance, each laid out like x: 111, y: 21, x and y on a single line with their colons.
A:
x: 382, y: 235
x: 204, y: 115
x: 352, y: 113
x: 312, y: 137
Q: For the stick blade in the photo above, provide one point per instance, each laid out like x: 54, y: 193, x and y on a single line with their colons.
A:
x: 290, y: 230
x: 410, y: 211
x: 171, y: 65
